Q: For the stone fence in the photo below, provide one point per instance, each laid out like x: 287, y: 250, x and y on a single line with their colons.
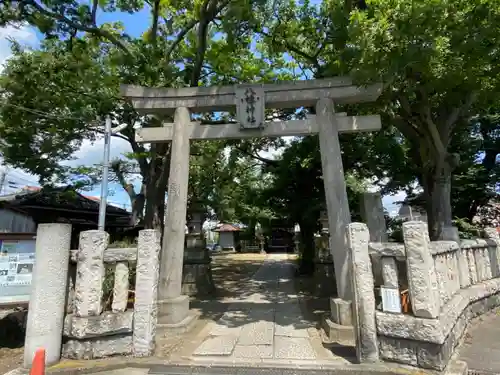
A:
x: 447, y: 283
x: 66, y: 315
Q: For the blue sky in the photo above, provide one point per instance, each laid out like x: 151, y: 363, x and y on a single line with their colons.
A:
x: 89, y: 154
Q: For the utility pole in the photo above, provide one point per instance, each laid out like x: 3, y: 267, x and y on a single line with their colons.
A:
x: 108, y: 132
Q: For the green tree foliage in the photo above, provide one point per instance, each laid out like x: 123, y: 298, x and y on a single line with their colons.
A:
x: 438, y: 61
x: 64, y: 86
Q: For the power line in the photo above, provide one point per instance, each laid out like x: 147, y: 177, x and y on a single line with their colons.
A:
x: 46, y: 115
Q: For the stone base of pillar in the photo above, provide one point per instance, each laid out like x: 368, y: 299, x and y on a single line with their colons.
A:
x: 172, y: 329
x: 339, y: 334
x: 197, y: 277
x: 173, y: 310
x: 338, y: 325
x: 174, y: 316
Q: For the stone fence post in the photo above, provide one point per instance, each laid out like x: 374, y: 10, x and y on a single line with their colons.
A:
x: 48, y: 294
x: 363, y: 286
x: 422, y: 279
x: 90, y: 272
x: 146, y: 292
x: 493, y: 235
x: 372, y: 211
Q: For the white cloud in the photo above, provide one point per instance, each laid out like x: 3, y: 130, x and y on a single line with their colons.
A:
x: 23, y: 34
x: 92, y: 153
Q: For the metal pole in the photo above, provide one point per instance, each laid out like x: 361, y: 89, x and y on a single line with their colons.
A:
x: 3, y: 174
x: 105, y: 172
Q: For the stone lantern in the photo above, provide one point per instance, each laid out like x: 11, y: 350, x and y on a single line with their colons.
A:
x: 323, y: 219
x: 197, y: 270
x: 296, y: 238
x: 259, y: 233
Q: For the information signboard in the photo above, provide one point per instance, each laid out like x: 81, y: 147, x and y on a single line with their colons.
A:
x: 17, y: 259
x: 15, y: 268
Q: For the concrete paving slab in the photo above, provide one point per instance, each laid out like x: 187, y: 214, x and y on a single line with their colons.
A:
x: 481, y: 347
x: 230, y: 323
x: 253, y: 351
x: 293, y: 348
x: 217, y: 345
x: 257, y: 333
x: 290, y: 330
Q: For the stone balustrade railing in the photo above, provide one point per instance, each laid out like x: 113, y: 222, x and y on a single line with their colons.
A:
x: 448, y: 284
x: 91, y: 332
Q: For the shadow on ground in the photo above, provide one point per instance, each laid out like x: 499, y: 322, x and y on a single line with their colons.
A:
x: 12, y: 331
x: 251, y: 296
x: 246, y: 296
x: 316, y: 304
x: 12, y: 328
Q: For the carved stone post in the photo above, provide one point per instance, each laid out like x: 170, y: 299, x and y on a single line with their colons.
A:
x: 44, y: 327
x: 364, y: 296
x: 422, y: 279
x: 372, y: 212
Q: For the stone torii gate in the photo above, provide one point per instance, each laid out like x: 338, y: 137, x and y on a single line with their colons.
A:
x: 250, y: 102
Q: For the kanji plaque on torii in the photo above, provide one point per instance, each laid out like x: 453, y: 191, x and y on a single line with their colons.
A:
x: 250, y: 102
x: 250, y: 107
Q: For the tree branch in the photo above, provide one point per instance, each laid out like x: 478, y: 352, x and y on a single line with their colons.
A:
x: 129, y: 188
x: 405, y: 106
x: 456, y: 113
x: 209, y: 12
x: 154, y: 26
x: 312, y: 59
x: 137, y: 149
x: 200, y: 52
x: 92, y: 30
x: 180, y: 37
x: 93, y: 13
x: 257, y: 157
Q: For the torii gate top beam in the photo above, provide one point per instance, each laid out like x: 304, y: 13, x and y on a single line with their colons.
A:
x: 285, y: 94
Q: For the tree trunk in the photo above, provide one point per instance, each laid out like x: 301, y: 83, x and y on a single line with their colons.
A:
x: 138, y: 202
x: 156, y: 186
x: 437, y: 191
x: 251, y: 228
x: 307, y: 248
x: 155, y: 207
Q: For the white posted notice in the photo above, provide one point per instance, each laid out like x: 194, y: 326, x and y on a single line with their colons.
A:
x: 391, y: 300
x: 15, y: 268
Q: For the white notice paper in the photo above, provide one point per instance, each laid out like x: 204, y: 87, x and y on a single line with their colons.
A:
x: 391, y: 300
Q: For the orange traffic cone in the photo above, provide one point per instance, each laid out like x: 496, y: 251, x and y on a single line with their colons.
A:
x: 38, y: 364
